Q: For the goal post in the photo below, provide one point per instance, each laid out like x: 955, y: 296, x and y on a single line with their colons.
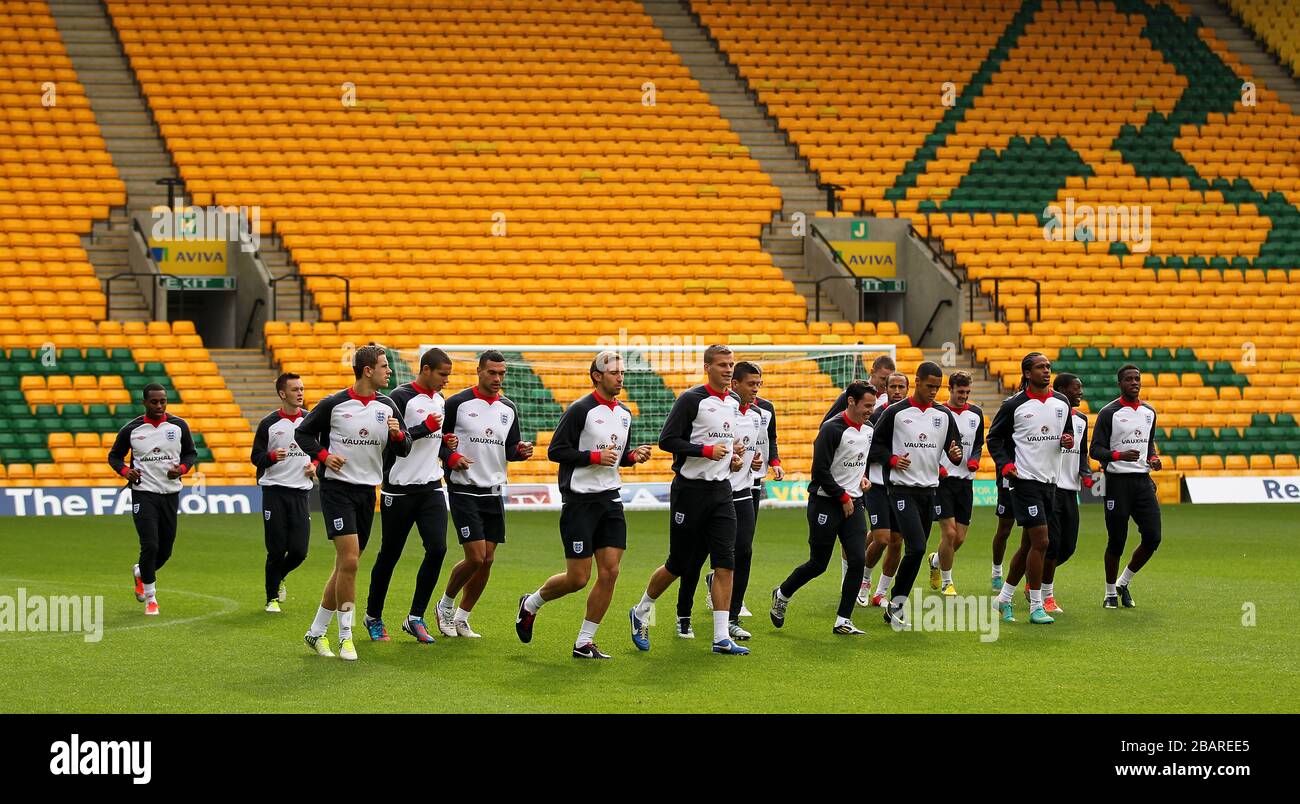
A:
x: 542, y: 380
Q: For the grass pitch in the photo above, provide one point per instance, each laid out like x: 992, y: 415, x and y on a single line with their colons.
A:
x: 1188, y: 647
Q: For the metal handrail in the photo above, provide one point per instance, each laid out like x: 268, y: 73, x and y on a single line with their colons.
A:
x: 817, y: 295
x: 938, y: 255
x: 930, y: 324
x: 302, y: 293
x: 251, y: 315
x: 153, y: 306
x: 998, y: 314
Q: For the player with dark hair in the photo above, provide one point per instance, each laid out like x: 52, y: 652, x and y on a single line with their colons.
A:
x: 350, y: 433
x: 590, y: 444
x: 885, y: 538
x: 910, y: 438
x: 882, y: 368
x: 956, y: 497
x: 412, y: 495
x: 1026, y: 439
x: 836, y: 509
x: 1075, y: 472
x: 162, y: 451
x: 700, y: 434
x: 1124, y: 442
x: 285, y: 474
x: 1005, y: 512
x: 486, y: 426
x: 768, y: 456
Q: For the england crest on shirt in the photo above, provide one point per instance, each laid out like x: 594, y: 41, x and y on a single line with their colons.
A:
x: 381, y: 416
x: 938, y: 422
x: 171, y: 435
x: 504, y: 420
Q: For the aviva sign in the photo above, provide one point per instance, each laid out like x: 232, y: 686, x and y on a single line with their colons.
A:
x: 866, y: 258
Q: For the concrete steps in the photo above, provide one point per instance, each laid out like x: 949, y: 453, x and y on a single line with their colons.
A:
x: 1252, y: 53
x: 250, y: 378
x: 767, y: 143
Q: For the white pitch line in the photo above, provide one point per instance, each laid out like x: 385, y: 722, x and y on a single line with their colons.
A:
x: 230, y: 606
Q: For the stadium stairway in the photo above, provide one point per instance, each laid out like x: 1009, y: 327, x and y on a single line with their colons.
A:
x: 759, y: 132
x: 1246, y: 48
x: 138, y: 152
x: 250, y: 379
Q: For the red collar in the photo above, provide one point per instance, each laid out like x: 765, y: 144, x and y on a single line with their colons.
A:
x: 365, y: 400
x: 155, y: 422
x: 745, y: 407
x: 1135, y: 404
x: 849, y: 421
x: 487, y: 399
x: 420, y: 389
x: 916, y: 403
x: 600, y: 400
x: 1030, y: 393
x: 292, y: 418
x: 961, y: 409
x: 719, y: 394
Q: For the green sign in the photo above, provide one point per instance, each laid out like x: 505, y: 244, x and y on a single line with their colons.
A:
x: 884, y: 285
x: 858, y: 230
x: 197, y: 282
x: 985, y: 491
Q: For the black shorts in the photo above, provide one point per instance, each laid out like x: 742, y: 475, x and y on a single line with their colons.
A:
x: 827, y: 523
x: 155, y: 514
x: 955, y: 499
x: 347, y: 508
x: 1033, y: 502
x: 1005, y: 509
x: 425, y: 510
x: 479, y: 515
x: 880, y: 511
x: 1063, y: 527
x: 591, y: 522
x: 702, y: 517
x: 286, y: 514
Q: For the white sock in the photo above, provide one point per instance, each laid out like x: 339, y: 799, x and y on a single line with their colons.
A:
x: 947, y: 576
x: 1124, y: 577
x: 866, y: 578
x: 885, y: 582
x: 781, y: 595
x: 1035, y: 599
x: 842, y: 621
x: 136, y: 570
x: 721, y: 619
x: 533, y: 602
x: 1110, y: 590
x: 150, y: 590
x: 844, y: 570
x: 934, y: 561
x: 643, y: 608
x: 997, y: 570
x: 410, y: 618
x: 345, y: 621
x: 461, y: 616
x: 1008, y: 592
x: 447, y: 603
x: 586, y: 634
x: 1047, y: 590
x: 322, y: 622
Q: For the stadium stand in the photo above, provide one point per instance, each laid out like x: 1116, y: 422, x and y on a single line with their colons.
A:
x: 1277, y: 23
x: 399, y: 191
x: 1155, y: 119
x: 68, y: 378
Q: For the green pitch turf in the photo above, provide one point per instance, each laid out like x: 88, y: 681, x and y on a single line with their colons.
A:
x: 1186, y: 648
